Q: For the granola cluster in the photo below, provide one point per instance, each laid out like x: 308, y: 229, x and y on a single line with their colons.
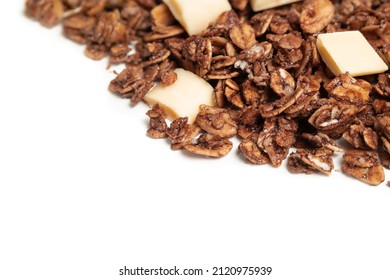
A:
x: 272, y: 89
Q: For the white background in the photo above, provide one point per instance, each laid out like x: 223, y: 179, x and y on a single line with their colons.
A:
x: 84, y: 191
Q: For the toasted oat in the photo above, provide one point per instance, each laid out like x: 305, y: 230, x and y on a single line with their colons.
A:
x: 277, y: 137
x: 216, y: 121
x: 282, y: 82
x: 48, y: 12
x: 347, y: 89
x: 210, y: 145
x: 364, y: 166
x: 361, y: 137
x: 316, y: 15
x: 158, y: 125
x: 243, y: 36
x: 309, y: 161
x: 253, y: 153
x: 333, y: 119
x: 276, y: 108
x: 321, y: 140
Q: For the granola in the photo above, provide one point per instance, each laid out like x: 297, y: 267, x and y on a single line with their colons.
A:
x: 272, y: 91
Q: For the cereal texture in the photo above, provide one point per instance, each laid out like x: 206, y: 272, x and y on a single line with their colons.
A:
x: 271, y: 88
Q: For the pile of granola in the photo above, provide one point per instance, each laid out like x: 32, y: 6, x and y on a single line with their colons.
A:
x: 272, y: 89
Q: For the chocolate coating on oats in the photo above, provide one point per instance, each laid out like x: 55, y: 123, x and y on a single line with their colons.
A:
x: 158, y: 126
x: 364, y: 166
x: 310, y: 161
x: 216, y: 121
x: 277, y: 137
x: 48, y: 12
x: 210, y: 145
x: 271, y: 88
x: 316, y: 15
x: 253, y: 153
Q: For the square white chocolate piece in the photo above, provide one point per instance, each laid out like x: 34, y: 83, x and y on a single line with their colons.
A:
x: 349, y: 51
x: 183, y: 97
x: 196, y: 15
x: 259, y: 5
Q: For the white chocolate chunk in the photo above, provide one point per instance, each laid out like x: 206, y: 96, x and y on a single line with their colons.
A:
x: 183, y: 97
x: 349, y: 51
x: 259, y: 5
x: 196, y: 15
